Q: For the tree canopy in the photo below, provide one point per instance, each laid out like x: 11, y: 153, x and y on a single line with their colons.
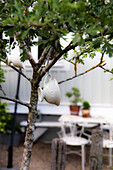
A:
x: 89, y: 22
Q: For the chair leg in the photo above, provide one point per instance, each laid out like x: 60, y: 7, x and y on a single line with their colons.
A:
x: 110, y: 156
x: 83, y: 157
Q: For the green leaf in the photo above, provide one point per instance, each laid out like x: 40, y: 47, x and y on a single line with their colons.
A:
x: 42, y: 42
x: 97, y: 42
x: 24, y: 34
x: 109, y: 48
x: 80, y: 61
x: 20, y: 8
x: 23, y: 56
x: 99, y: 50
x: 77, y: 38
x: 2, y: 77
x: 84, y: 55
x: 92, y: 55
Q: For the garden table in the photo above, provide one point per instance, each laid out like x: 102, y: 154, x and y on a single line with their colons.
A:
x: 91, y: 120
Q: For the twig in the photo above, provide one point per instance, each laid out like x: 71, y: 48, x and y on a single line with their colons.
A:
x: 14, y: 68
x: 69, y: 61
x: 29, y: 56
x: 20, y: 73
x: 58, y: 55
x: 32, y: 24
x: 16, y: 100
x: 55, y: 59
x: 101, y: 60
x: 75, y: 65
x: 45, y: 55
x: 2, y: 90
x: 42, y: 58
x: 4, y: 61
x: 98, y: 65
x: 106, y: 69
x: 27, y: 23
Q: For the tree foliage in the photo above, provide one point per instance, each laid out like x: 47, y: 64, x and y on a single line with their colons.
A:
x: 89, y: 22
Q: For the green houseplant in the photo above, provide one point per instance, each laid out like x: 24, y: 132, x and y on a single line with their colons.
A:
x: 6, y: 123
x: 85, y: 109
x: 75, y: 97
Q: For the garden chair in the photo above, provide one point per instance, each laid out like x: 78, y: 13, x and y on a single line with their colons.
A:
x: 69, y: 135
x: 86, y: 129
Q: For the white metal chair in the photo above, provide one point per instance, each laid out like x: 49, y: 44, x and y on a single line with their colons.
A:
x: 108, y: 141
x: 86, y: 129
x: 68, y: 133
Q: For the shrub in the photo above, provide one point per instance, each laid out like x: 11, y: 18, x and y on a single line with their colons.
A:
x: 86, y: 105
x: 75, y: 95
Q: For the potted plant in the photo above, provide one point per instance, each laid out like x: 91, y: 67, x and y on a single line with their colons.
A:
x: 85, y: 109
x: 6, y: 123
x: 75, y: 98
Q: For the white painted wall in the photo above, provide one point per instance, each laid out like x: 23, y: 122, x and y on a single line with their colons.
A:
x: 94, y: 86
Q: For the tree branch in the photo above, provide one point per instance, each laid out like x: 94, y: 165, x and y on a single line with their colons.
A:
x: 29, y: 56
x: 14, y: 68
x: 58, y: 55
x: 2, y: 90
x: 69, y: 61
x: 32, y: 24
x: 98, y: 65
x: 16, y: 101
x: 42, y: 58
x: 55, y: 59
x: 101, y: 60
x: 106, y: 69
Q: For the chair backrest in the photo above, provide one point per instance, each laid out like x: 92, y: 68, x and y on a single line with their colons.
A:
x: 111, y: 132
x: 68, y: 128
x: 109, y: 127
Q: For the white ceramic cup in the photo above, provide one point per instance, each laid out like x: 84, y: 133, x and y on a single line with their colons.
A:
x: 50, y: 92
x: 14, y: 57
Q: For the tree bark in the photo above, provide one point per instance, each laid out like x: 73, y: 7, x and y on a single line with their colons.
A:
x: 58, y: 154
x: 96, y: 151
x: 30, y: 128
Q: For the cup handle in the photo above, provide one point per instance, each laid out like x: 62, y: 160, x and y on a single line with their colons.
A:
x: 48, y: 77
x: 40, y: 94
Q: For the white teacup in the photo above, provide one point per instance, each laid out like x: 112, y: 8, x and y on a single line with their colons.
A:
x: 14, y: 57
x: 50, y: 92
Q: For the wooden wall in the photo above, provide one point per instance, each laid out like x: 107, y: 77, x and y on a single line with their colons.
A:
x: 95, y: 86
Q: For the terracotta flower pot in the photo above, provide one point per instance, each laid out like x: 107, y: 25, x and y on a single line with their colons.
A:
x: 85, y: 112
x: 74, y: 110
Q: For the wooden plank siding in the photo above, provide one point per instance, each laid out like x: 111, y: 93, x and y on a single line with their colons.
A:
x: 94, y: 86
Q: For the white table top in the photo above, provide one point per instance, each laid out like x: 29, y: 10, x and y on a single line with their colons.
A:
x: 79, y: 119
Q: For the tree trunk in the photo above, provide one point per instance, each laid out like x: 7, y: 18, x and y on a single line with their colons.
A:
x: 30, y: 128
x: 96, y: 151
x: 58, y: 154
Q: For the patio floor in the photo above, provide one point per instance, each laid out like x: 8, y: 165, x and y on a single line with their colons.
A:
x: 41, y: 158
